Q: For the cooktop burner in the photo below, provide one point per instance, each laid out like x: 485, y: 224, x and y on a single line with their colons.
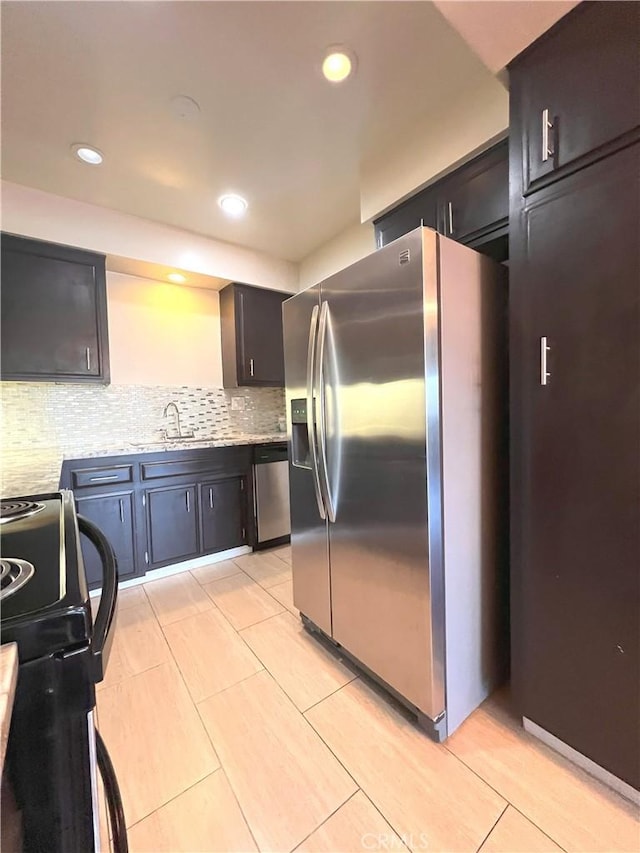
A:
x: 14, y: 574
x: 12, y: 510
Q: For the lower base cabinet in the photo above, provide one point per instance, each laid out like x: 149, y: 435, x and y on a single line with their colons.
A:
x: 114, y: 515
x: 172, y: 524
x: 222, y: 514
x: 162, y: 508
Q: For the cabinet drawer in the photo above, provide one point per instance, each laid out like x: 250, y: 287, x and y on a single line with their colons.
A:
x: 82, y: 477
x: 225, y: 460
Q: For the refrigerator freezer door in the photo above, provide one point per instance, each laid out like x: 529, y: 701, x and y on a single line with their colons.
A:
x: 309, y: 542
x: 386, y: 597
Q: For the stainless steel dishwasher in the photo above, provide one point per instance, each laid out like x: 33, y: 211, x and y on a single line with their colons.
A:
x: 271, y: 493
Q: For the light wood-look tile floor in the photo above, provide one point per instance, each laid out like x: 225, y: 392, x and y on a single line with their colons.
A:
x: 232, y: 729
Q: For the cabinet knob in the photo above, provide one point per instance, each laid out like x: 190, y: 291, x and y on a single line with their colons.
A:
x: 450, y: 213
x: 250, y: 367
x: 88, y: 355
x: 188, y: 500
x: 211, y: 498
x: 121, y: 511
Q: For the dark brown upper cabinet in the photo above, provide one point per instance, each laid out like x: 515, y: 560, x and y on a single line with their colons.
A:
x: 470, y: 205
x: 473, y: 202
x: 421, y: 209
x: 576, y: 90
x: 251, y: 325
x: 54, y: 313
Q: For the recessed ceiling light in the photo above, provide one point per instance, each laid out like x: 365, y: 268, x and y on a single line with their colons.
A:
x: 338, y: 64
x: 87, y: 154
x: 177, y: 278
x: 232, y: 204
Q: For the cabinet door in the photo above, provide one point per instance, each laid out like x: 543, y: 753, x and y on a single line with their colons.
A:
x: 172, y: 524
x: 260, y: 353
x: 114, y: 516
x: 475, y: 199
x: 585, y: 73
x: 53, y: 312
x: 574, y: 277
x: 419, y: 210
x: 223, y: 523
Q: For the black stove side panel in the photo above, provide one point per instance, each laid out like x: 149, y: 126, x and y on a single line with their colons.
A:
x: 48, y: 754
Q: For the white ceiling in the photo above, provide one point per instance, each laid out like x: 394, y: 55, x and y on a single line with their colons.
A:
x: 270, y: 127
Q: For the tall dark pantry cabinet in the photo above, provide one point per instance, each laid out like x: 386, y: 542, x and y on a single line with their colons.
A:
x: 575, y: 386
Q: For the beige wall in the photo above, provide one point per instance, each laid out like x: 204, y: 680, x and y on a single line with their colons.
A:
x: 163, y: 334
x: 344, y: 249
x: 45, y: 216
x: 433, y: 148
x: 497, y: 31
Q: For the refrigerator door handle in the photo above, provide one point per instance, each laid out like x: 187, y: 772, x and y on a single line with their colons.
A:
x: 322, y: 438
x: 311, y: 414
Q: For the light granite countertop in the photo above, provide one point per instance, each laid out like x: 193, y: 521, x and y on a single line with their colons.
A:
x: 8, y: 679
x: 192, y: 444
x: 38, y: 470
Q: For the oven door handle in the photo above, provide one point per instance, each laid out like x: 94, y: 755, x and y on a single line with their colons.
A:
x: 102, y: 633
x: 114, y: 800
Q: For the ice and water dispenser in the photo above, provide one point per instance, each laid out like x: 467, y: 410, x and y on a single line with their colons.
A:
x: 300, y: 434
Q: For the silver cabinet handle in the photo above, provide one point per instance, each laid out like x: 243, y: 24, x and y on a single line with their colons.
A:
x: 103, y: 479
x: 88, y: 354
x: 121, y: 511
x: 544, y: 349
x: 188, y: 501
x: 547, y: 142
x: 250, y: 367
x: 210, y: 498
x: 311, y: 425
x: 450, y: 212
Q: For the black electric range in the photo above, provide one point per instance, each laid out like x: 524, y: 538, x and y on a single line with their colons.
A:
x: 45, y: 602
x: 54, y: 751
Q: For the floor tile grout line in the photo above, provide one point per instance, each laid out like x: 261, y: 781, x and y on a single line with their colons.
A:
x: 222, y: 764
x: 475, y: 773
x: 130, y: 677
x: 533, y: 823
x: 350, y: 774
x: 171, y: 799
x: 322, y: 823
x: 186, y: 687
x: 500, y: 794
x: 295, y: 707
x: 235, y: 797
x: 175, y: 660
x: 482, y: 843
x: 387, y: 821
x: 228, y: 687
x: 221, y: 578
x: 303, y: 711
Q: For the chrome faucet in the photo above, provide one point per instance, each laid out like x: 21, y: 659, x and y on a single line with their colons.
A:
x: 165, y: 414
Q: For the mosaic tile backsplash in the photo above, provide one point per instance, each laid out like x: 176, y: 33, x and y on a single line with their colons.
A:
x: 43, y: 422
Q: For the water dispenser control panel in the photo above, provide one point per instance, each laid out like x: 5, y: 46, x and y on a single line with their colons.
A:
x: 301, y: 456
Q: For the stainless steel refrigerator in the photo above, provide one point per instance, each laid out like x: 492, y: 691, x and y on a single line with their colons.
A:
x: 395, y: 388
